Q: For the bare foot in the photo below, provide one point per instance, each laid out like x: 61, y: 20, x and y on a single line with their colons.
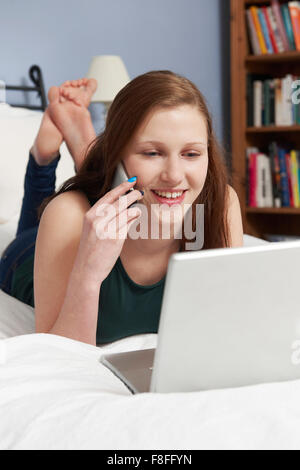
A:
x: 49, y: 138
x: 79, y: 91
x: 73, y: 119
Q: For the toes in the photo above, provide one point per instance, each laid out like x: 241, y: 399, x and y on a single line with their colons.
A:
x: 53, y: 94
x: 70, y: 95
x: 91, y: 86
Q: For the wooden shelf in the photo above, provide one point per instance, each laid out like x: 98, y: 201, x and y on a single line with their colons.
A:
x: 257, y: 221
x: 272, y: 129
x: 273, y: 210
x: 292, y: 56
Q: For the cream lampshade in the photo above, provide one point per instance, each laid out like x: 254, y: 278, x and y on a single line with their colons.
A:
x: 111, y: 75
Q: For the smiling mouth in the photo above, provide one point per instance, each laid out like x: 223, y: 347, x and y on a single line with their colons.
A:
x: 169, y: 197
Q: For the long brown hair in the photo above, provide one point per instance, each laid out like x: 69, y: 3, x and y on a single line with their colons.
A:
x: 130, y: 107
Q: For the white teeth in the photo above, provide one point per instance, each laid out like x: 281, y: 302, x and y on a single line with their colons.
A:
x: 169, y: 195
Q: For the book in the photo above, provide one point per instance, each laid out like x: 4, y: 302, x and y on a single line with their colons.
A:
x: 258, y: 97
x: 275, y: 29
x: 272, y: 102
x: 278, y: 102
x: 277, y: 13
x: 288, y: 26
x: 287, y: 107
x: 275, y: 170
x: 265, y: 30
x: 298, y: 161
x: 250, y: 101
x: 252, y: 34
x: 289, y: 177
x: 266, y: 107
x: 271, y: 32
x: 261, y: 39
x: 296, y: 99
x: 260, y: 189
x: 295, y: 20
x: 267, y: 179
x: 284, y: 183
x: 294, y: 174
x: 249, y: 182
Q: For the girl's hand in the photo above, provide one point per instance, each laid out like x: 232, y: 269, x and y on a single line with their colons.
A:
x: 104, y: 232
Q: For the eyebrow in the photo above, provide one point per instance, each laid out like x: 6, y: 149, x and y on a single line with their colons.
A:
x: 156, y: 142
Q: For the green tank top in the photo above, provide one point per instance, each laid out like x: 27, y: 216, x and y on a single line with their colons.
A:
x: 125, y: 308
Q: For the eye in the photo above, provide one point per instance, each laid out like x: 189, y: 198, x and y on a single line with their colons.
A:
x: 150, y: 154
x: 190, y: 154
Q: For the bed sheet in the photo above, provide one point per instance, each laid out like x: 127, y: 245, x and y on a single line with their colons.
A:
x: 54, y: 394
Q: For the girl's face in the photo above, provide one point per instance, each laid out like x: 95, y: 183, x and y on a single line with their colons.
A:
x: 169, y: 155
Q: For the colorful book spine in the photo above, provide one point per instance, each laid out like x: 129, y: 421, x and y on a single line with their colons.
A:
x: 275, y: 29
x: 271, y: 32
x: 265, y: 30
x: 298, y: 161
x: 262, y: 44
x: 295, y: 19
x: 252, y: 34
x: 275, y: 169
x: 289, y: 176
x: 295, y: 184
x: 288, y: 26
x: 249, y: 152
x: 277, y: 13
x: 284, y: 182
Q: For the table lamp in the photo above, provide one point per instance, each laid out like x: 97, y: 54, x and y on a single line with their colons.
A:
x: 111, y: 75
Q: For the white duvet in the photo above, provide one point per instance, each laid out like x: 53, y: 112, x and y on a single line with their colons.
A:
x: 54, y: 394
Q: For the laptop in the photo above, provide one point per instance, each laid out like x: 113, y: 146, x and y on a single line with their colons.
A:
x: 230, y: 318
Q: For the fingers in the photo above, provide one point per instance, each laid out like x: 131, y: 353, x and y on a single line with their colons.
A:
x: 124, y: 227
x: 107, y: 212
x: 118, y: 227
x: 114, y: 194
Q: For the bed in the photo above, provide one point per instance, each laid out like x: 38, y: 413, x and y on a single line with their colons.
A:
x: 54, y: 393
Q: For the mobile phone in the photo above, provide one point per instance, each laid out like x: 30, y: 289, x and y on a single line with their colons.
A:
x: 120, y: 177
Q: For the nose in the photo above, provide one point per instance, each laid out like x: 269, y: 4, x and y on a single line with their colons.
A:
x: 173, y: 171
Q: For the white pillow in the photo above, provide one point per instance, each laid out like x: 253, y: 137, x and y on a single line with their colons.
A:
x: 18, y: 128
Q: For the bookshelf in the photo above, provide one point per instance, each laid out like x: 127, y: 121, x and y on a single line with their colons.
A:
x: 257, y: 221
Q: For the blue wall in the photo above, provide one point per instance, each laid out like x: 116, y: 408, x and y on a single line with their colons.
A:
x: 189, y: 37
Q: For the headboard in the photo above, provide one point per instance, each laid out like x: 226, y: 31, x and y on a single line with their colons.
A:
x: 36, y: 76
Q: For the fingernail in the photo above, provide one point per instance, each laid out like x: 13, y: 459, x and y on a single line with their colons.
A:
x: 142, y: 192
x: 131, y: 180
